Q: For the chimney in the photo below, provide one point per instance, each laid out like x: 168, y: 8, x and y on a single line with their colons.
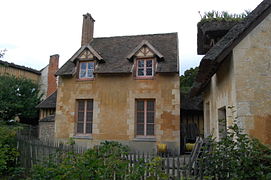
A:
x: 87, y: 30
x: 53, y: 67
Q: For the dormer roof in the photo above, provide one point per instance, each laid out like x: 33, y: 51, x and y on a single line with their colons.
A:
x: 147, y: 44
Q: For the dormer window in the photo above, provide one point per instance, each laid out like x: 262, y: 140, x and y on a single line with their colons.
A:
x: 86, y: 70
x: 145, y: 68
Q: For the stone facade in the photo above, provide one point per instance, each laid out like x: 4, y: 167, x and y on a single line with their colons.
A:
x: 242, y: 86
x: 46, y: 130
x: 114, y: 99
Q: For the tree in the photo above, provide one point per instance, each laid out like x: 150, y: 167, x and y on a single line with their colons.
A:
x: 18, y: 97
x: 187, y: 80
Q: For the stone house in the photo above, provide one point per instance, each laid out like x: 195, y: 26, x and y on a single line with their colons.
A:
x: 123, y: 88
x: 235, y: 78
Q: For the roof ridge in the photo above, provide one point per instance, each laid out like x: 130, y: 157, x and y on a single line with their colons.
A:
x: 20, y: 67
x: 135, y: 35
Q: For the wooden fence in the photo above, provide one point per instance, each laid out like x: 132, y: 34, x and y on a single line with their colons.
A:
x: 33, y: 151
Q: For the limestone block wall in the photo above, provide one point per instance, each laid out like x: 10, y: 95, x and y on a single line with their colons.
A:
x: 114, y: 108
x: 252, y: 61
x: 220, y: 93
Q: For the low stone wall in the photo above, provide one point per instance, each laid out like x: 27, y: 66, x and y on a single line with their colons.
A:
x: 46, y: 130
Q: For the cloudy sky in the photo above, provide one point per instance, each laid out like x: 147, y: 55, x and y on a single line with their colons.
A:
x: 32, y: 30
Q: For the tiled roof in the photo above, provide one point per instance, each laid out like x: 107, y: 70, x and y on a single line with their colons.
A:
x: 50, y: 118
x: 49, y: 102
x: 114, y: 51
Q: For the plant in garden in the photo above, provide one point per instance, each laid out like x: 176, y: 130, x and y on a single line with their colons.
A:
x: 106, y: 161
x: 8, y: 151
x: 236, y: 156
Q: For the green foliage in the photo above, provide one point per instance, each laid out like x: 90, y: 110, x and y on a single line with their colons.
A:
x: 187, y: 80
x: 236, y: 156
x: 102, y: 162
x: 223, y: 16
x: 19, y: 96
x: 8, y: 151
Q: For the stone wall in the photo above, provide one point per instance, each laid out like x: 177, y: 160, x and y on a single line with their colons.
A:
x: 114, y: 108
x: 46, y: 130
x: 252, y: 61
x: 220, y: 93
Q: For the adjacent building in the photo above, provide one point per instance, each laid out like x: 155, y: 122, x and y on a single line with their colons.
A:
x: 235, y: 78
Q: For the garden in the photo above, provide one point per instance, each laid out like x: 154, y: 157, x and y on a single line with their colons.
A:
x: 234, y: 157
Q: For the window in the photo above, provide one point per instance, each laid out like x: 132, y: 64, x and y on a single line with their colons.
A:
x: 145, y: 117
x: 84, y: 116
x: 207, y: 119
x: 145, y: 68
x: 86, y: 70
x: 222, y: 122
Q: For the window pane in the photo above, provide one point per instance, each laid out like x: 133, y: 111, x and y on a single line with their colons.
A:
x: 150, y: 117
x: 81, y: 105
x: 89, y: 128
x: 140, y: 72
x: 83, y: 66
x: 150, y: 105
x: 150, y: 129
x: 140, y: 129
x: 90, y: 105
x: 89, y: 116
x: 149, y: 71
x: 140, y: 63
x: 81, y: 116
x: 80, y: 127
x: 91, y: 65
x: 82, y: 73
x: 149, y: 63
x: 140, y: 117
x: 140, y: 105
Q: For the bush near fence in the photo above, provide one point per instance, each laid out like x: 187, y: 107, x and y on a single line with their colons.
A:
x: 234, y: 157
x: 110, y: 160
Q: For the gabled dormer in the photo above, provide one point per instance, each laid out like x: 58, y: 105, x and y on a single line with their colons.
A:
x: 85, y: 60
x: 145, y: 58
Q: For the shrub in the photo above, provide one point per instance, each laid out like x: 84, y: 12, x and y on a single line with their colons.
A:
x: 8, y: 151
x: 236, y: 156
x: 105, y: 161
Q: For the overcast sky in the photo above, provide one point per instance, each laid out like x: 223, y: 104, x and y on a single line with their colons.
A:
x: 32, y: 30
